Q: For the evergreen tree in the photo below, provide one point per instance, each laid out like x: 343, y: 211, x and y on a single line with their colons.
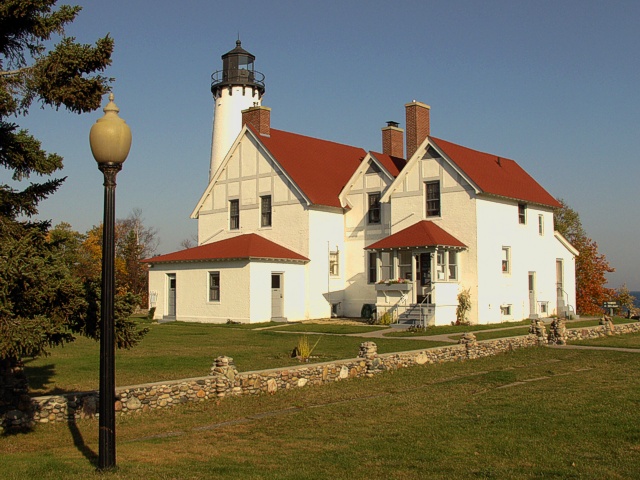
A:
x: 41, y: 302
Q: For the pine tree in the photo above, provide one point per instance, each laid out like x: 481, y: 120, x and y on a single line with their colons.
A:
x: 42, y: 303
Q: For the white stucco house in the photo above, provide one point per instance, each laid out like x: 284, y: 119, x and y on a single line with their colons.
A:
x: 292, y: 227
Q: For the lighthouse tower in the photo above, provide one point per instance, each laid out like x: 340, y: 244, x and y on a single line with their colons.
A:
x: 235, y: 88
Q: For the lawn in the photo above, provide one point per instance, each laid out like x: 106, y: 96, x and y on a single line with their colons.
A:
x: 446, y: 329
x: 532, y: 413
x: 328, y: 328
x: 620, y: 341
x: 182, y: 350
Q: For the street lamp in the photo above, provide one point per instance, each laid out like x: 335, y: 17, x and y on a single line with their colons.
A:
x: 110, y: 140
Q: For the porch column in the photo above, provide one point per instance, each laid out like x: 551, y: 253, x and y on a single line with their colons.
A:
x: 414, y: 278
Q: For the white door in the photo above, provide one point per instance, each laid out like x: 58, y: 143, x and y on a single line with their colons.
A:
x: 277, y: 299
x: 171, y: 295
x: 533, y: 312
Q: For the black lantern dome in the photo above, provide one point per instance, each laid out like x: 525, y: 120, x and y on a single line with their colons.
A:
x: 237, y: 71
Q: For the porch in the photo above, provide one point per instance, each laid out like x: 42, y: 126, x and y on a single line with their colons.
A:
x: 416, y: 275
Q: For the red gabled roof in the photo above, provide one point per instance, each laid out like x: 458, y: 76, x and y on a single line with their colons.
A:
x: 421, y: 234
x: 318, y: 167
x: 393, y: 164
x: 496, y: 175
x: 241, y: 247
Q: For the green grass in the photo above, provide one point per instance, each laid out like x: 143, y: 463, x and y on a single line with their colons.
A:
x: 181, y: 350
x: 497, y: 334
x: 446, y: 329
x: 328, y: 328
x: 533, y: 413
x: 620, y: 341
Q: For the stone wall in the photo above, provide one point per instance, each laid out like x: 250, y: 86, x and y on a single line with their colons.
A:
x: 224, y: 379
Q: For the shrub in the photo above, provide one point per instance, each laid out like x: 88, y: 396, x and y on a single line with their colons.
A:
x: 464, y: 305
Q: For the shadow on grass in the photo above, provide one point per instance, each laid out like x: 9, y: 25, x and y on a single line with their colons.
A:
x: 79, y: 443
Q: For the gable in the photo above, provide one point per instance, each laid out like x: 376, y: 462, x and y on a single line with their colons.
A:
x: 246, y: 173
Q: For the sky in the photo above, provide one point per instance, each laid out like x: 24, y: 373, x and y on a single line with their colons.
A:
x: 553, y: 85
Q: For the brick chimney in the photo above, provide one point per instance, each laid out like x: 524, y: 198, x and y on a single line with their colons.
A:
x: 259, y: 118
x: 418, y: 127
x: 393, y: 140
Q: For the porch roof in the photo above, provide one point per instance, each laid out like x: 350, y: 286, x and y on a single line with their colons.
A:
x: 248, y: 246
x: 421, y: 234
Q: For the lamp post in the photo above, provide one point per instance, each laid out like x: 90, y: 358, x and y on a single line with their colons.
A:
x: 110, y: 140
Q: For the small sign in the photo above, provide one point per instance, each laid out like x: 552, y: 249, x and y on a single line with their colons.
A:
x: 610, y: 304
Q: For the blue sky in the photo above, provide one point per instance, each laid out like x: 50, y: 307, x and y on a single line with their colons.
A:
x: 550, y: 84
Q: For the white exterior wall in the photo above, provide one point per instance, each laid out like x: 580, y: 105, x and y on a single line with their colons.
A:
x: 458, y: 217
x: 359, y: 234
x: 293, y: 289
x: 247, y: 176
x: 498, y: 227
x: 192, y: 291
x: 227, y: 120
x: 569, y: 272
x: 326, y: 233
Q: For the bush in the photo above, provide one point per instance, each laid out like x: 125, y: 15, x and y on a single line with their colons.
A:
x: 464, y: 305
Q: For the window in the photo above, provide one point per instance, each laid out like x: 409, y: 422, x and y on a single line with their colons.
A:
x: 404, y: 262
x: 541, y: 224
x: 453, y: 265
x: 334, y: 263
x: 265, y: 211
x: 214, y: 286
x: 373, y: 267
x: 433, y: 199
x: 522, y: 214
x: 234, y: 214
x: 373, y: 215
x: 505, y: 310
x: 506, y: 259
x: 440, y: 264
x: 386, y: 267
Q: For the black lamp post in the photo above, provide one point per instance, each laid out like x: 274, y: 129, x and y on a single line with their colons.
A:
x: 110, y: 140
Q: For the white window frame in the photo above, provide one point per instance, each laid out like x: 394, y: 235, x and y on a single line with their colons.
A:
x: 334, y: 263
x: 234, y: 201
x: 372, y: 259
x: 541, y: 225
x: 214, y: 274
x: 386, y: 270
x: 452, y: 267
x: 372, y: 209
x: 427, y: 200
x: 506, y: 260
x: 522, y: 213
x: 266, y: 213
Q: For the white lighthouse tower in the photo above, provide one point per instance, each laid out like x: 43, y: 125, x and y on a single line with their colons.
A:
x: 235, y: 88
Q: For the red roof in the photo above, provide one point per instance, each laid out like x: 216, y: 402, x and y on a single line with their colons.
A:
x: 243, y: 246
x: 393, y: 164
x: 496, y: 175
x: 421, y: 234
x: 319, y: 168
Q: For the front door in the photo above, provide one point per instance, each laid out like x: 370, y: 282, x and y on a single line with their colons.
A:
x: 171, y: 295
x: 533, y: 313
x: 424, y: 278
x: 277, y: 299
